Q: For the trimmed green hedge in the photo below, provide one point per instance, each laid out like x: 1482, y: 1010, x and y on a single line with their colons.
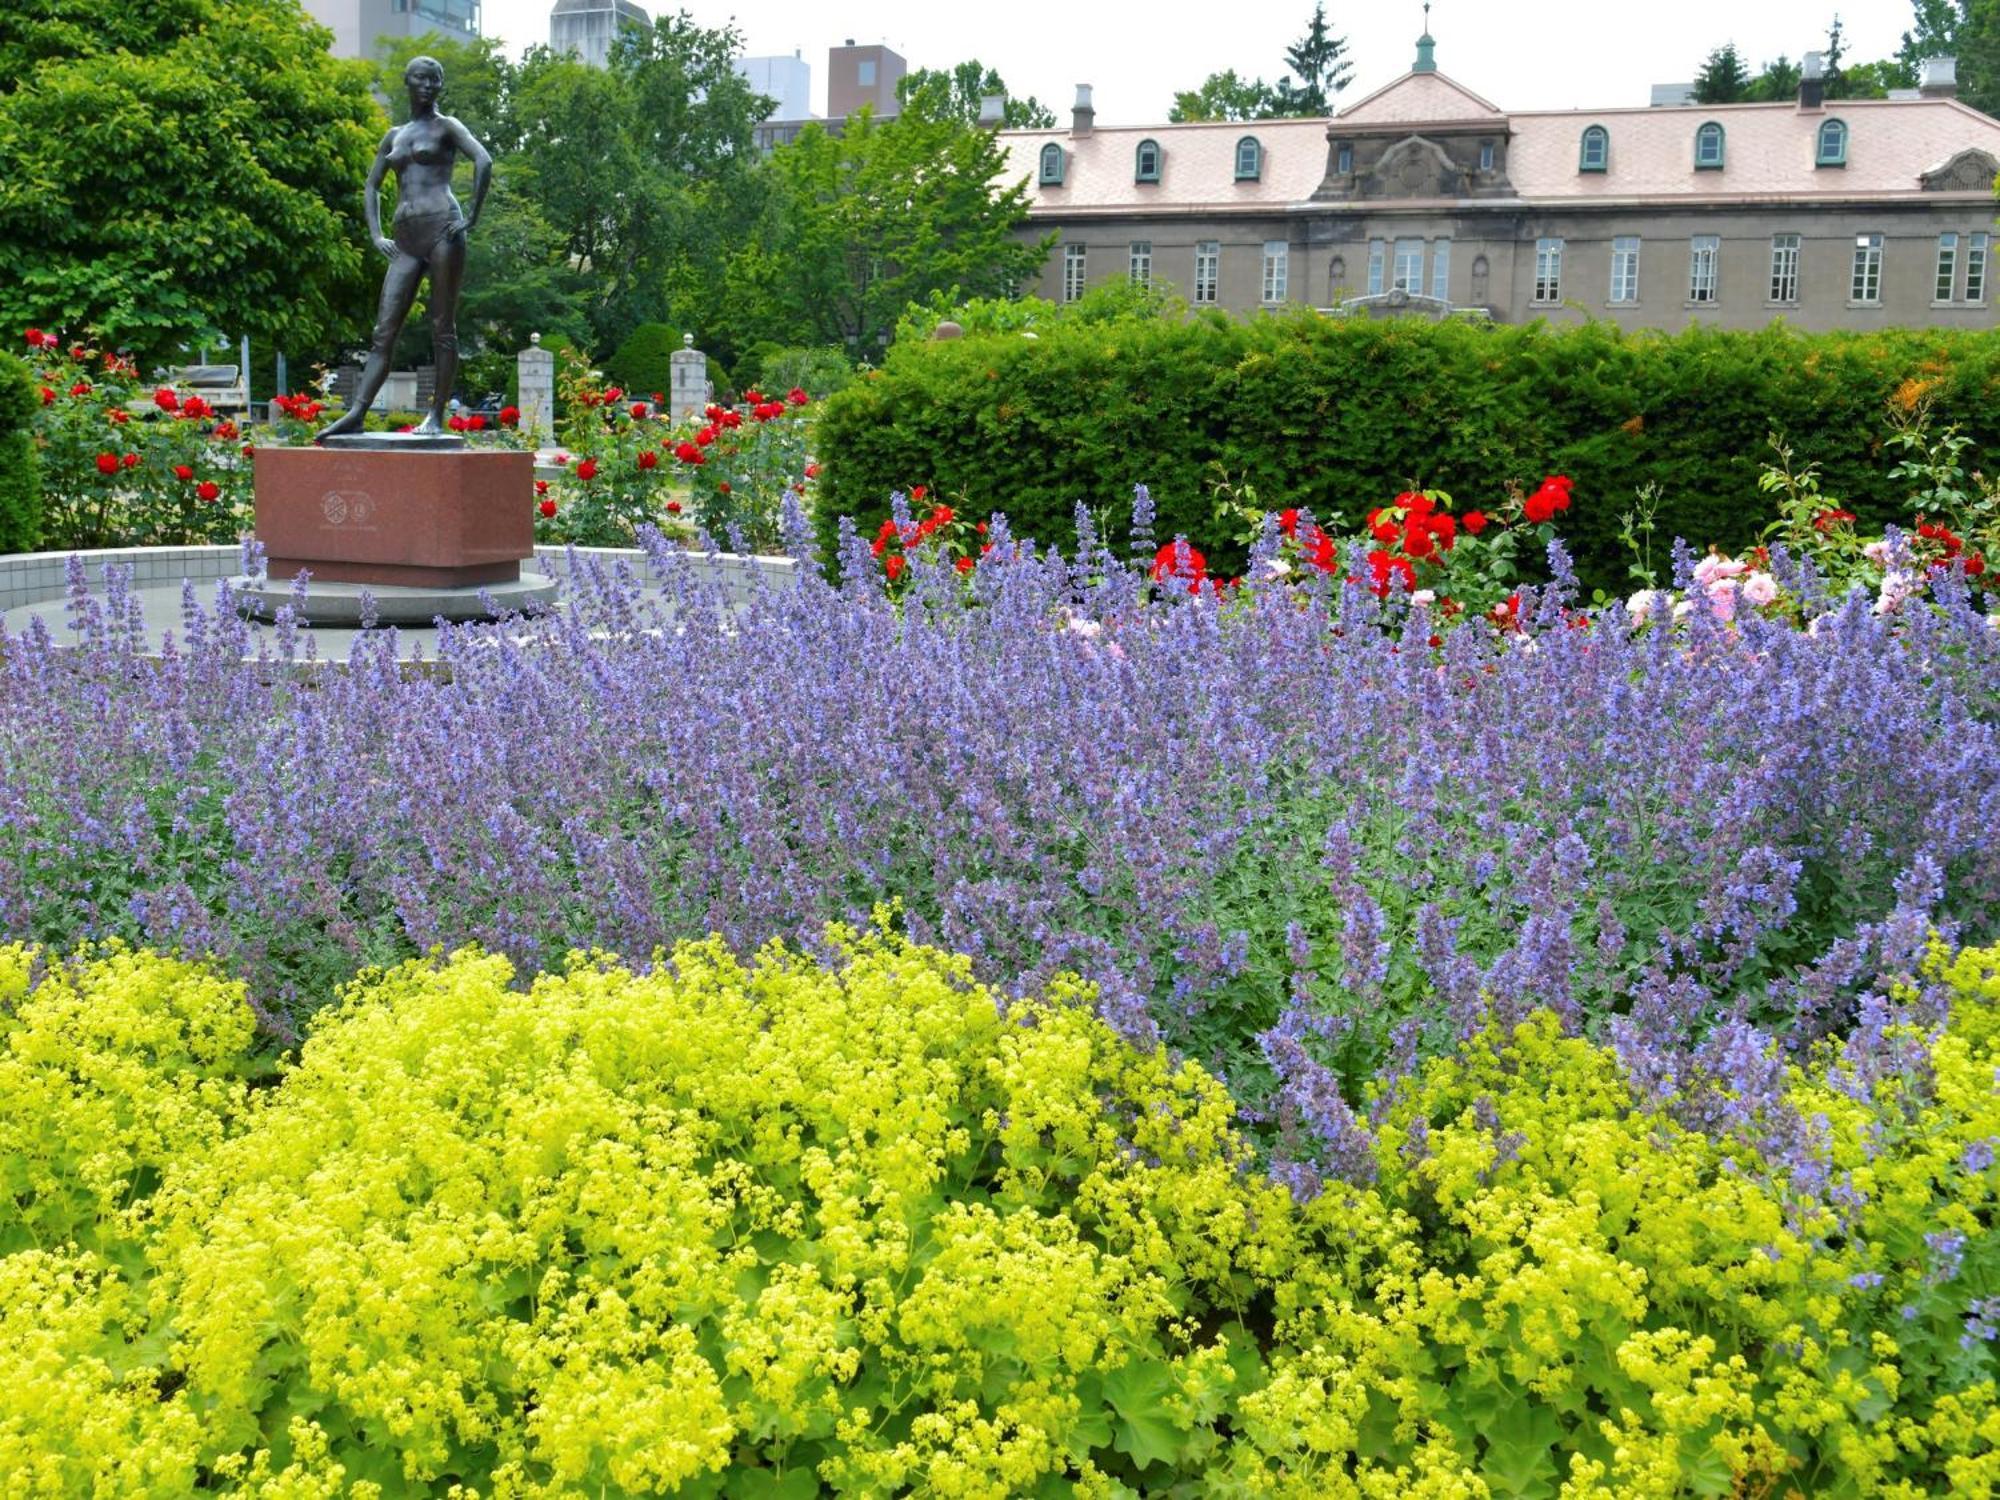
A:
x: 1341, y: 415
x: 20, y: 464
x: 644, y: 363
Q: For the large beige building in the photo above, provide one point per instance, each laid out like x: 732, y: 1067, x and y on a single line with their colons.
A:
x: 1425, y: 196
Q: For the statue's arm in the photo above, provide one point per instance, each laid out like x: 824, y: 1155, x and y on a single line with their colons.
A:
x: 482, y: 167
x: 371, y: 196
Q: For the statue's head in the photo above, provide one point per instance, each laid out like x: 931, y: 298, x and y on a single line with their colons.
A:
x: 426, y: 73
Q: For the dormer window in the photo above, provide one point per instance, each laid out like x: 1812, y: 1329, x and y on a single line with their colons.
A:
x: 1343, y: 159
x: 1708, y: 148
x: 1595, y: 154
x: 1146, y: 162
x: 1052, y: 165
x: 1249, y: 159
x: 1832, y: 138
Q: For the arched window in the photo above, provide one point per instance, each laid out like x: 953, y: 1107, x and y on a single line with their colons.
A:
x: 1052, y: 164
x: 1832, y: 144
x: 1595, y: 155
x: 1146, y: 164
x: 1249, y: 159
x: 1708, y: 148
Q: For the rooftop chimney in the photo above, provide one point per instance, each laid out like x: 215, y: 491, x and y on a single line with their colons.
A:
x: 992, y: 111
x: 1812, y: 82
x: 1083, y: 119
x: 1940, y: 80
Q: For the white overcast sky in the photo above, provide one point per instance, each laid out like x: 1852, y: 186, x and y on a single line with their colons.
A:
x: 1521, y: 54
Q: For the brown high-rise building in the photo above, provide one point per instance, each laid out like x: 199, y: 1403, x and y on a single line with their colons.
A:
x: 860, y: 78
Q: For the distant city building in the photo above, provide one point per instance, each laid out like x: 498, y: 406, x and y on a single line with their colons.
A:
x: 1671, y: 95
x: 589, y: 27
x: 786, y: 81
x: 358, y: 25
x: 857, y: 78
x: 1424, y: 197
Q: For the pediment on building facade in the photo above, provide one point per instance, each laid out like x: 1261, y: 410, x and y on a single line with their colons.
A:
x: 1971, y: 170
x: 1415, y: 167
x: 1429, y: 97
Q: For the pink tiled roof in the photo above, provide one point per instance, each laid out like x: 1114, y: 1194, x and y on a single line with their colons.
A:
x: 1768, y: 152
x: 1197, y: 166
x: 1427, y: 97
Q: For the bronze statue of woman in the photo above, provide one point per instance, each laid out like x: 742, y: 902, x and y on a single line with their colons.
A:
x: 427, y: 238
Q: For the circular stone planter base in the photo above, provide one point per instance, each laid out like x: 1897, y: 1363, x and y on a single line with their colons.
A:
x: 347, y: 605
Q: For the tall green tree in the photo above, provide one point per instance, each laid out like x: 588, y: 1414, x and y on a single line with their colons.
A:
x: 958, y: 93
x: 861, y: 224
x: 1319, y: 60
x: 1775, y: 83
x: 644, y: 171
x: 1224, y: 96
x: 179, y: 170
x: 1978, y: 48
x: 1934, y: 32
x: 1723, y: 79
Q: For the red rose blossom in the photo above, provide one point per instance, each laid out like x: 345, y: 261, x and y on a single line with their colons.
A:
x: 548, y: 509
x: 673, y: 507
x: 587, y: 469
x: 649, y: 459
x: 107, y: 463
x: 183, y: 473
x: 1179, y: 560
x: 510, y: 416
x: 1474, y: 522
x: 894, y: 565
x: 207, y: 491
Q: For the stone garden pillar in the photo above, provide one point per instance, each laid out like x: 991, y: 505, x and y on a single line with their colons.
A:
x: 538, y: 390
x: 690, y: 380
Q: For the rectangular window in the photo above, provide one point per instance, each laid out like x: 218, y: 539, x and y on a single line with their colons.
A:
x: 1947, y: 267
x: 1142, y: 262
x: 1207, y: 269
x: 864, y: 72
x: 1343, y: 159
x: 1378, y: 251
x: 1277, y: 257
x: 1409, y: 266
x: 1548, y: 270
x: 1975, y: 269
x: 1625, y: 268
x: 1072, y: 287
x: 1866, y: 286
x: 1704, y: 251
x: 1485, y: 156
x: 1784, y: 268
x: 1441, y: 270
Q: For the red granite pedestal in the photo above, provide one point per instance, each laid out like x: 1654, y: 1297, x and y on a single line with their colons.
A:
x: 425, y: 529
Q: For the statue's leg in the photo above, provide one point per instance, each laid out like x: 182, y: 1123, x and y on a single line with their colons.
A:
x: 447, y: 276
x: 399, y: 290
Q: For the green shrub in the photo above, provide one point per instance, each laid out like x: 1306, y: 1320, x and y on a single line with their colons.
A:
x: 20, y: 463
x: 817, y: 372
x: 1341, y: 415
x: 643, y: 364
x: 786, y: 1228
